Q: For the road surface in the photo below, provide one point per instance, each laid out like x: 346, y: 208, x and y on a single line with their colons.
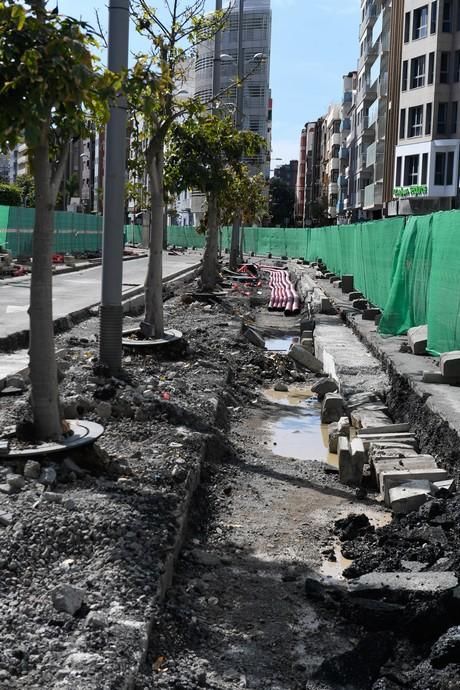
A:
x: 75, y: 291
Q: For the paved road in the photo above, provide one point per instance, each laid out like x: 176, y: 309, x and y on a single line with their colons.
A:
x: 75, y: 291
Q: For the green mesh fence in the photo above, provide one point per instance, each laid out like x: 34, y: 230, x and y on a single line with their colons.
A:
x: 443, y: 303
x: 408, y: 269
x: 133, y: 234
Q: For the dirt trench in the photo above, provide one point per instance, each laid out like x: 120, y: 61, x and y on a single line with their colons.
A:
x: 238, y: 614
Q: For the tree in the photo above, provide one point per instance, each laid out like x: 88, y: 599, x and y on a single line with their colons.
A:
x: 10, y: 195
x: 26, y: 184
x: 282, y: 200
x: 50, y: 89
x: 205, y: 153
x: 156, y: 102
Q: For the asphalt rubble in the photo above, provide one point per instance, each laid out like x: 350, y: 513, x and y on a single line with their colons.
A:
x: 88, y: 541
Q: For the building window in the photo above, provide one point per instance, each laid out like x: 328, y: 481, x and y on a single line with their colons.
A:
x: 444, y: 69
x: 430, y: 68
x: 420, y: 23
x: 442, y: 118
x: 407, y: 27
x: 334, y: 175
x: 417, y: 72
x: 402, y: 124
x: 444, y: 168
x: 447, y: 16
x: 454, y: 116
x: 428, y: 118
x: 434, y: 16
x: 404, y: 75
x: 398, y: 171
x: 424, y: 169
x: 415, y: 124
x: 335, y: 151
x: 336, y: 127
x: 411, y: 170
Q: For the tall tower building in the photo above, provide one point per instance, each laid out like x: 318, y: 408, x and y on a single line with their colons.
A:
x: 426, y: 176
x: 256, y: 114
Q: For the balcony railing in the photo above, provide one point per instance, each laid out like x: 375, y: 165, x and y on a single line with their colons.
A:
x: 373, y: 195
x: 343, y: 153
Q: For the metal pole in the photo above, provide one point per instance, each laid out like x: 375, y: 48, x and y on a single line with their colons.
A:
x: 111, y: 311
x: 235, y: 245
x: 217, y: 60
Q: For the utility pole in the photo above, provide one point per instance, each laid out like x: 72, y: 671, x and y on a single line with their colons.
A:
x: 235, y: 245
x: 111, y: 310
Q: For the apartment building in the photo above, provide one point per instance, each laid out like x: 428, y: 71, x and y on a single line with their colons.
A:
x: 331, y: 141
x: 427, y: 153
x: 308, y: 187
x: 346, y: 162
x: 287, y: 173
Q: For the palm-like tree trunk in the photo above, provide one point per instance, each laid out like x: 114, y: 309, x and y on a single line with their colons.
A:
x: 153, y: 324
x: 43, y: 368
x: 210, y: 266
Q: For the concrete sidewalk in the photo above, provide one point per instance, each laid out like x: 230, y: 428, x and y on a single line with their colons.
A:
x: 77, y: 291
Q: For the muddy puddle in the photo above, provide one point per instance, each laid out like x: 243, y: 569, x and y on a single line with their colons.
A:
x: 293, y: 426
x: 281, y: 345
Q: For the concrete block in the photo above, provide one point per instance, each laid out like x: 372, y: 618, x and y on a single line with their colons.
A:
x: 337, y: 284
x: 347, y: 284
x: 414, y: 462
x: 323, y: 386
x: 370, y: 314
x: 254, y: 337
x: 449, y: 364
x: 359, y: 399
x: 437, y: 378
x: 390, y: 479
x: 344, y: 426
x: 408, y: 442
x: 359, y: 304
x: 355, y: 295
x: 352, y: 458
x: 307, y: 324
x: 445, y: 485
x: 306, y: 333
x: 343, y: 451
x: 308, y: 344
x: 362, y: 418
x: 408, y: 497
x: 426, y: 582
x: 388, y: 429
x: 418, y: 339
x: 301, y: 356
x: 332, y: 408
x: 333, y: 434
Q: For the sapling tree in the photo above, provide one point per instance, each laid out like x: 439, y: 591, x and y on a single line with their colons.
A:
x: 157, y: 100
x: 50, y: 89
x: 205, y: 152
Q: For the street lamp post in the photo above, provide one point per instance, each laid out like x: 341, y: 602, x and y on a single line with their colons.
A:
x: 111, y: 310
x: 235, y: 244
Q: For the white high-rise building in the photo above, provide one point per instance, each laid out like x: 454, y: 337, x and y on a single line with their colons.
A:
x: 256, y: 115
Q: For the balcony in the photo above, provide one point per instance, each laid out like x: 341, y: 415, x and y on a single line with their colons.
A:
x: 347, y: 172
x: 334, y: 164
x: 361, y: 162
x: 345, y: 124
x: 347, y: 97
x: 373, y: 195
x: 333, y: 188
x: 336, y: 139
x: 371, y: 154
x: 343, y: 153
x: 342, y: 181
x: 370, y: 17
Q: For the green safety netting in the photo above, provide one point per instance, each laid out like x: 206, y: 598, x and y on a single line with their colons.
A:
x: 444, y: 289
x: 408, y: 269
x: 407, y: 303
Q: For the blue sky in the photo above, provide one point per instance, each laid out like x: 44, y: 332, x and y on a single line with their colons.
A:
x: 314, y: 42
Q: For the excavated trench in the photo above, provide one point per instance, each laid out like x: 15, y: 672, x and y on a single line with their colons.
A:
x: 258, y: 598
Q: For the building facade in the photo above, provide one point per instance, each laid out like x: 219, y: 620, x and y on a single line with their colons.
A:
x: 288, y: 173
x: 308, y: 187
x: 257, y: 104
x: 331, y: 142
x: 426, y: 174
